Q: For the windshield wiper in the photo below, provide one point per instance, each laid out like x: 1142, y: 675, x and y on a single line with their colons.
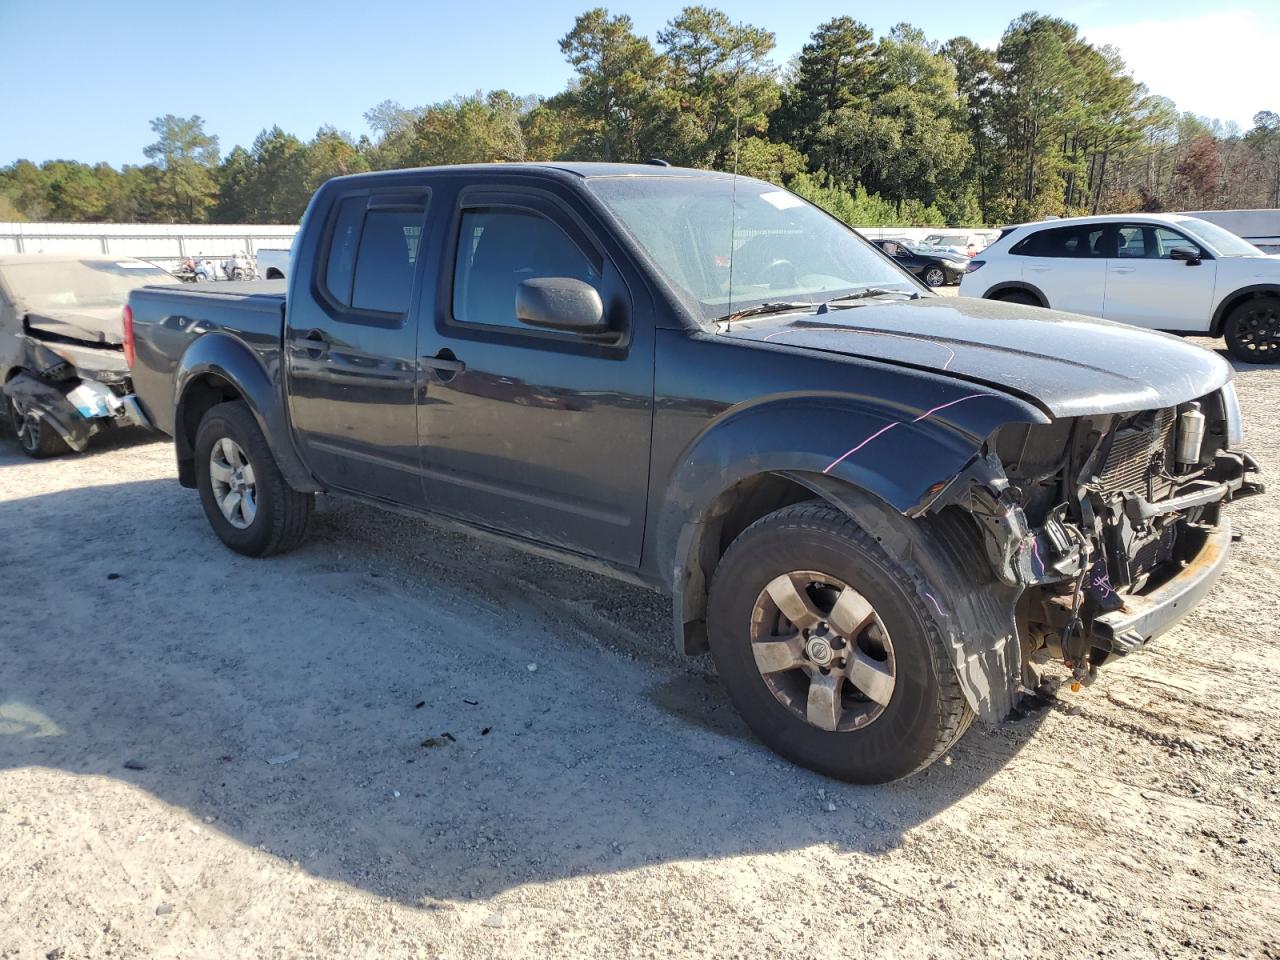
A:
x: 867, y: 293
x: 780, y: 306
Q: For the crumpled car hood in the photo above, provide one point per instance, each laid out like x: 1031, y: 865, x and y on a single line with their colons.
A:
x: 1067, y: 364
x: 97, y: 325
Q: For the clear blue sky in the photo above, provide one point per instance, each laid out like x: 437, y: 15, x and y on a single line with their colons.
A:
x: 83, y: 79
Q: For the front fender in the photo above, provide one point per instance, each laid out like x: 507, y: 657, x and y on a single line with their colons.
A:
x: 901, y: 455
x: 889, y: 461
x: 222, y: 356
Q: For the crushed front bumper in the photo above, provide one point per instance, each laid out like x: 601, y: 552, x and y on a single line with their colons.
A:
x: 1145, y: 616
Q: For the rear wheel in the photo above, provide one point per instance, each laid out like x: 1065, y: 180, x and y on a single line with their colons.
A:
x: 828, y: 650
x: 249, y: 505
x: 1252, y: 330
x: 36, y: 438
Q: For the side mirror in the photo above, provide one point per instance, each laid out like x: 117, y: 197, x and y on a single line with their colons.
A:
x: 560, y: 303
x: 1187, y: 254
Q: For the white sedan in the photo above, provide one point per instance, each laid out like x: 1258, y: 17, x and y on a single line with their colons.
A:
x: 1161, y: 271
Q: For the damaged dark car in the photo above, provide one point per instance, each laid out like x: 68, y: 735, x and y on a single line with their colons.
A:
x: 877, y: 508
x: 63, y: 368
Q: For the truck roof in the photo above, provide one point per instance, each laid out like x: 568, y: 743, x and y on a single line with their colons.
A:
x: 585, y: 170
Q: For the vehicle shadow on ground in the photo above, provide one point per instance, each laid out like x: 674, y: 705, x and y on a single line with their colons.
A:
x: 122, y: 438
x: 365, y: 706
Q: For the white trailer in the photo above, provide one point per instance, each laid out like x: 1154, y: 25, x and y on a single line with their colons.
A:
x: 1259, y: 227
x: 163, y: 244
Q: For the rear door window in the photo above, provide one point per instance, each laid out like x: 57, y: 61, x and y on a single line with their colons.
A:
x: 341, y: 266
x: 384, y: 265
x: 1074, y: 241
x: 373, y: 254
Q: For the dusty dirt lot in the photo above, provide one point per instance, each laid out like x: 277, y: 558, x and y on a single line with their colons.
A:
x: 207, y: 756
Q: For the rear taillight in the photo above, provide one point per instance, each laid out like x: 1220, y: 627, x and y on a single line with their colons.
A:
x: 126, y: 323
x: 973, y: 266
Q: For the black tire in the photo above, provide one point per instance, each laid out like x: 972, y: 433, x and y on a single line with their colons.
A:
x: 934, y: 275
x: 281, y: 513
x: 1252, y: 330
x: 926, y: 712
x: 36, y: 438
x: 1018, y: 296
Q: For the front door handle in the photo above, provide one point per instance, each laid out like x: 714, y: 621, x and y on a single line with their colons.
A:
x: 1122, y: 269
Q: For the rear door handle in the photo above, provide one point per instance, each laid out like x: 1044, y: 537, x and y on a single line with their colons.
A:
x: 445, y: 365
x: 1122, y: 269
x: 315, y: 342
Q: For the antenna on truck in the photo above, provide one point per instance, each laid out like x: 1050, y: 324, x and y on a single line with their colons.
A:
x: 733, y: 197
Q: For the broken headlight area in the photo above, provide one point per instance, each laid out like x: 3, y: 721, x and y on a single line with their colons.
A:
x: 1105, y: 522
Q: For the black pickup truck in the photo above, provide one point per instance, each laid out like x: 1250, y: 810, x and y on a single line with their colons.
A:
x: 878, y: 508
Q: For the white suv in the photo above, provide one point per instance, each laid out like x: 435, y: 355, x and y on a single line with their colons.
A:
x: 1163, y: 271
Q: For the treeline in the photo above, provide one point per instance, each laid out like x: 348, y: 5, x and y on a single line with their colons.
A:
x: 894, y: 130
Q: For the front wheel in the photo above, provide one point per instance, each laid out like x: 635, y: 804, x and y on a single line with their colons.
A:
x: 249, y: 505
x: 935, y: 276
x: 829, y: 651
x: 1252, y: 330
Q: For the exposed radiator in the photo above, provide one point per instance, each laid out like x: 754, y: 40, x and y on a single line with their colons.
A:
x: 1136, y: 442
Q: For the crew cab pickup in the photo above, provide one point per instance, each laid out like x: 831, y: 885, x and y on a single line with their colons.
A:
x: 877, y: 508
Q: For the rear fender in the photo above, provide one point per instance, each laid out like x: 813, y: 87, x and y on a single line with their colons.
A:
x: 225, y: 358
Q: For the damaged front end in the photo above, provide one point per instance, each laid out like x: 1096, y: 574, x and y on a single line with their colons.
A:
x: 73, y: 386
x: 1111, y: 525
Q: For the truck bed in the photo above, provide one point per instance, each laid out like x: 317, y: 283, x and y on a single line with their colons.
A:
x: 168, y: 317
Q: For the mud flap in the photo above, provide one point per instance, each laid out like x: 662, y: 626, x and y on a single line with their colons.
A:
x: 53, y: 408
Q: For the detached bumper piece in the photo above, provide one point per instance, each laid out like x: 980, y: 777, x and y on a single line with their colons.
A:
x: 1145, y: 616
x: 76, y: 409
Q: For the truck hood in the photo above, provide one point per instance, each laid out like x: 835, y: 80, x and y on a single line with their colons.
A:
x: 93, y: 325
x: 1066, y: 364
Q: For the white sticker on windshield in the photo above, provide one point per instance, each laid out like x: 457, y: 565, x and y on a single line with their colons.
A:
x: 133, y: 265
x: 781, y: 199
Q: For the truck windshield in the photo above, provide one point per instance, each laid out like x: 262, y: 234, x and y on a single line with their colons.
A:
x: 54, y: 284
x: 728, y: 250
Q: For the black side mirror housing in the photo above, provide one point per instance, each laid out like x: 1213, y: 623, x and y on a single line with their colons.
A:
x: 560, y: 303
x: 1190, y: 256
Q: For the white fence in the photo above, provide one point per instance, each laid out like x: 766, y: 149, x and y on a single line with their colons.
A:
x: 164, y: 244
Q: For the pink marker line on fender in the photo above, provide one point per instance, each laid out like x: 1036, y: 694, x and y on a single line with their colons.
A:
x: 889, y: 426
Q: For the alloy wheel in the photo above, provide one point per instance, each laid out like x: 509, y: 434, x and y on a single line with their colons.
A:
x: 1258, y: 332
x: 822, y: 650
x: 234, y: 487
x: 26, y: 424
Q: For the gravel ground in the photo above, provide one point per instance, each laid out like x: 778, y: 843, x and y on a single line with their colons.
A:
x: 348, y: 751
